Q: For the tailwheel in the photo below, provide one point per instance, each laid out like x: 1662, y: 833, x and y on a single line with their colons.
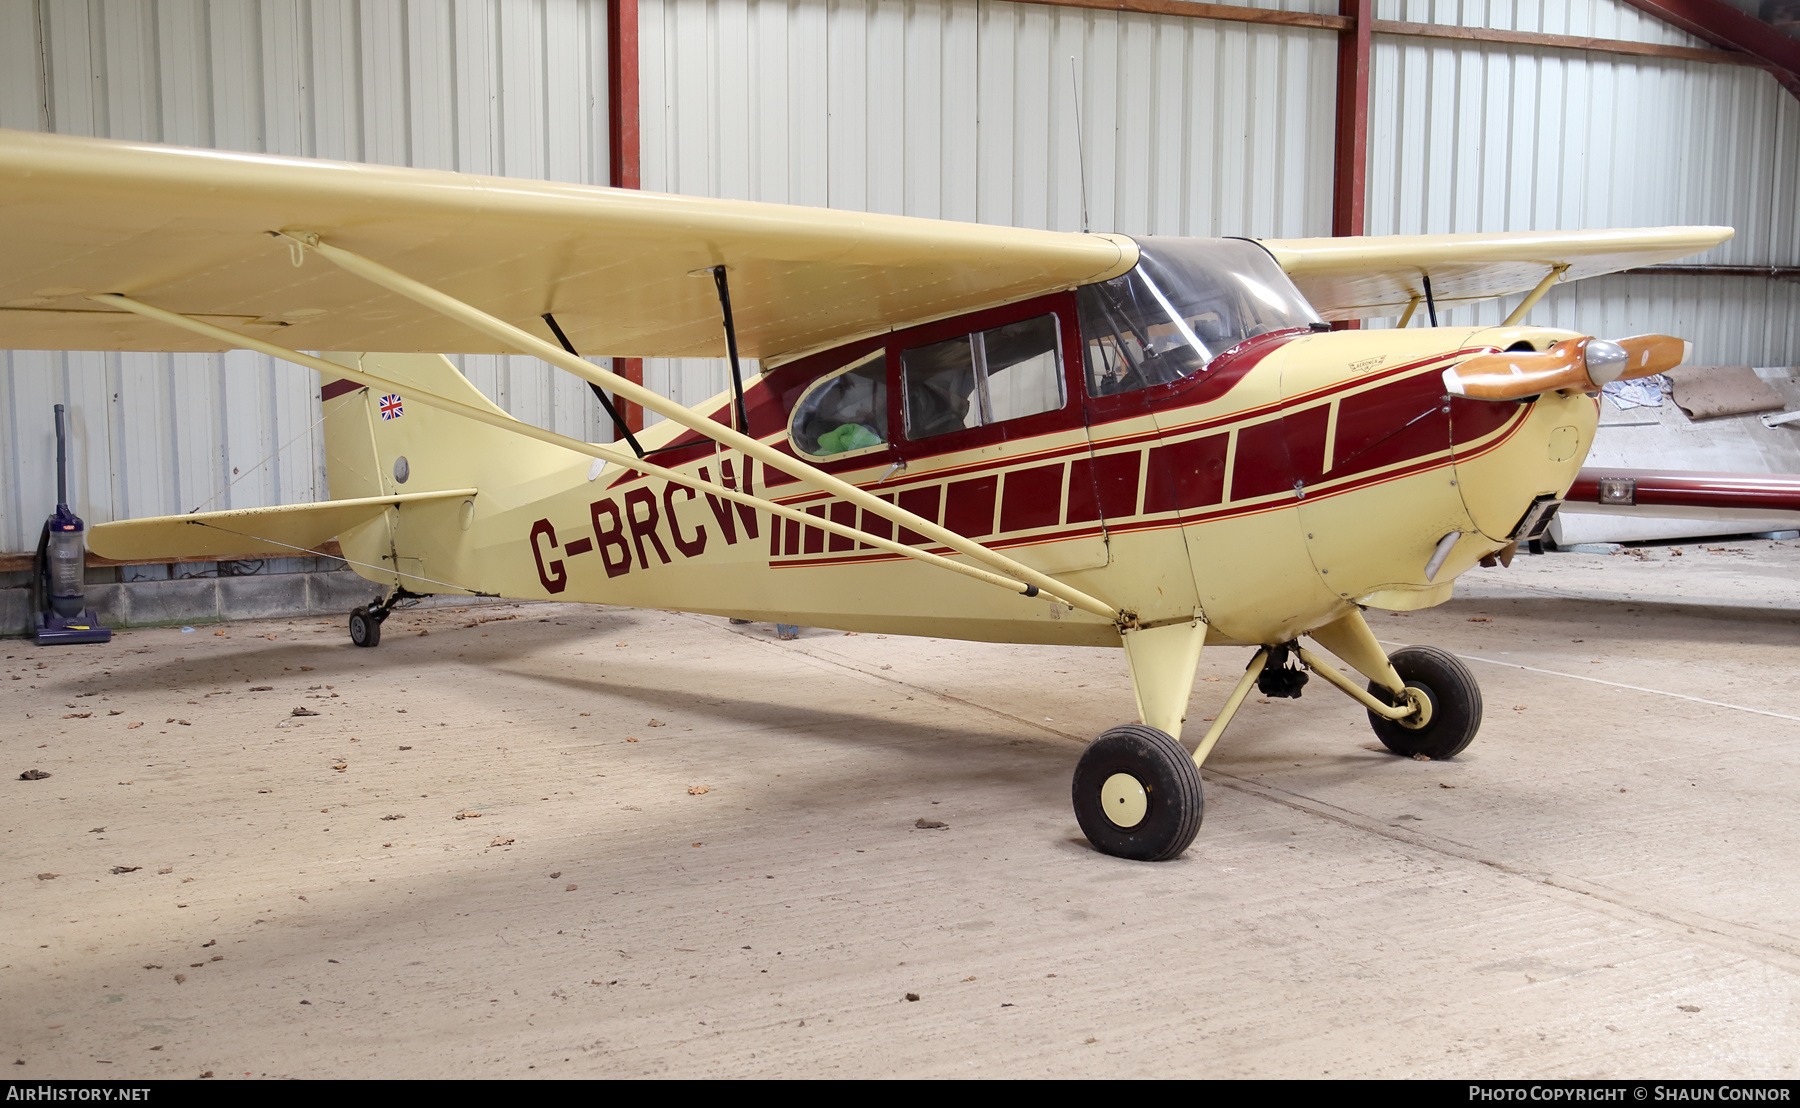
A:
x: 1137, y: 794
x: 1448, y: 699
x: 365, y: 625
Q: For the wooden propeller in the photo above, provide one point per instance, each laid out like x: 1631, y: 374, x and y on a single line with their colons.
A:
x: 1572, y: 365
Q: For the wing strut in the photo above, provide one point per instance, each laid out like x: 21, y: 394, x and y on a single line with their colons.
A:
x: 599, y: 393
x: 737, y: 376
x: 525, y: 342
x: 1071, y: 597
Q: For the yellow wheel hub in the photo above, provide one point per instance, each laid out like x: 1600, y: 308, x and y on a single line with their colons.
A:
x: 1421, y: 706
x: 1123, y: 799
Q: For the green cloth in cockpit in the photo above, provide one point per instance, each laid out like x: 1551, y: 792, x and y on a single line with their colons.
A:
x: 850, y: 436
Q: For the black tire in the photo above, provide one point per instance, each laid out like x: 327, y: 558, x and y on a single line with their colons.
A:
x: 1173, y: 804
x: 1455, y: 705
x: 365, y: 627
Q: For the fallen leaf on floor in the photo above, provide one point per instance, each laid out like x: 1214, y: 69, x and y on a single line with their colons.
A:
x: 912, y: 996
x: 1442, y: 785
x: 179, y: 978
x: 1519, y: 707
x: 971, y: 977
x: 134, y: 726
x: 33, y: 775
x: 341, y: 766
x: 303, y: 712
x: 570, y: 888
x: 95, y: 830
x: 501, y: 842
x: 468, y: 815
x: 1421, y: 757
x: 1480, y: 619
x: 657, y: 723
x: 262, y: 688
x: 115, y: 711
x: 696, y: 844
x: 394, y: 817
x: 406, y: 748
x: 48, y: 876
x: 699, y: 790
x: 167, y: 869
x: 152, y: 967
x: 220, y: 634
x: 1688, y: 1007
x: 629, y: 739
x: 930, y: 825
x: 76, y: 715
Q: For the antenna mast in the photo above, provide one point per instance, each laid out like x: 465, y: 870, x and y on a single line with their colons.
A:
x: 1080, y: 150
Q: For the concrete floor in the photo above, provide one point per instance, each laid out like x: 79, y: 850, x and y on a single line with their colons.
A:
x: 1602, y: 885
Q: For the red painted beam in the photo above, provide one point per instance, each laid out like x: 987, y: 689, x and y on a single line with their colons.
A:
x: 1351, y: 159
x: 622, y: 145
x: 1678, y: 489
x: 1723, y: 25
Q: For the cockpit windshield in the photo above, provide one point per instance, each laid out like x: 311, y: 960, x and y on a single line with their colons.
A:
x: 1186, y: 301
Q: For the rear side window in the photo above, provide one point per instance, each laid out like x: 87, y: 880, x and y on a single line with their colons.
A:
x: 986, y: 377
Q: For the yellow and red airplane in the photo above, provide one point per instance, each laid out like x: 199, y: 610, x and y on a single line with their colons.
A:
x: 964, y: 431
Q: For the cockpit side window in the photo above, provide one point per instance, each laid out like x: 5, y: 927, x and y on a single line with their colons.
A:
x: 843, y: 412
x: 981, y: 378
x: 1185, y: 302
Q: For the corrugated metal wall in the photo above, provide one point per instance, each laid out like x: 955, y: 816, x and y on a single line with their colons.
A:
x: 514, y: 87
x: 957, y: 109
x: 1493, y: 138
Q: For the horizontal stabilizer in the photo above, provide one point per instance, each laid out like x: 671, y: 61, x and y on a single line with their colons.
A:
x: 283, y: 531
x: 1358, y: 277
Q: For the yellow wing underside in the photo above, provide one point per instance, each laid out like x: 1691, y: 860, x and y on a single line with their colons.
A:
x: 623, y: 271
x: 1362, y: 277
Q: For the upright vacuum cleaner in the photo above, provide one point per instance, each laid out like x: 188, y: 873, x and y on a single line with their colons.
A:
x: 62, y: 566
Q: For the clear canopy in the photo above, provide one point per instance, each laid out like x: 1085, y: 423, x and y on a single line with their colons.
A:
x: 1185, y: 302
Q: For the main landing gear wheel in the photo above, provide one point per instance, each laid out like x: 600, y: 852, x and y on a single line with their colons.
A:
x: 365, y: 626
x: 1137, y: 794
x: 1453, y: 697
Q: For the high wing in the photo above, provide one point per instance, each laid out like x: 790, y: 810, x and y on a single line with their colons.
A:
x: 1381, y: 275
x: 623, y: 271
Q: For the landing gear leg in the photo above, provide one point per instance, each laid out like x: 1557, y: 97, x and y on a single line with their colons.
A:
x: 1137, y: 790
x: 1422, y: 701
x: 366, y: 620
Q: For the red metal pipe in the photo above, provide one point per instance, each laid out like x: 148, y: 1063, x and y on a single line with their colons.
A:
x: 1351, y: 157
x: 1678, y: 489
x: 622, y: 145
x: 1352, y: 154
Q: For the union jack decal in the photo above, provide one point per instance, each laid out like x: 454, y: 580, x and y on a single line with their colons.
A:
x: 390, y: 407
